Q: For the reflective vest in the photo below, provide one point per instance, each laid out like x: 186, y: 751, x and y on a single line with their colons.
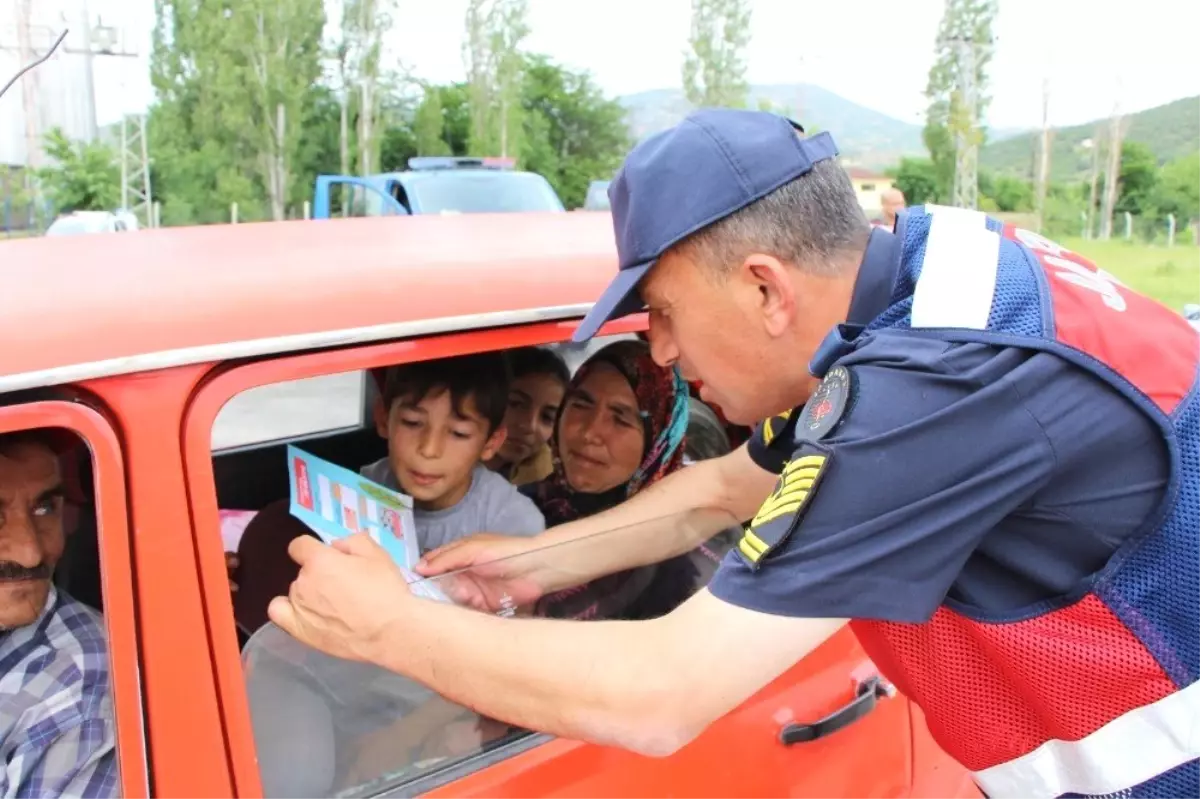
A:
x: 1095, y: 693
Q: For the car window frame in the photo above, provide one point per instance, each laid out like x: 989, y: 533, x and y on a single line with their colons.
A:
x: 116, y: 571
x: 203, y: 407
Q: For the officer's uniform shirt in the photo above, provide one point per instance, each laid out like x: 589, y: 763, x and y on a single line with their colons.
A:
x: 969, y: 474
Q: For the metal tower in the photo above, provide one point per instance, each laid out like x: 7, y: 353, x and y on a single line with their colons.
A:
x: 965, y: 124
x: 135, y: 169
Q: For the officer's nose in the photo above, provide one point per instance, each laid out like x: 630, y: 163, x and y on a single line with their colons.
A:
x: 662, y: 345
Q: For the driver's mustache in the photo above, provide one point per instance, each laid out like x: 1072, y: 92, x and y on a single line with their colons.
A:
x: 12, y: 571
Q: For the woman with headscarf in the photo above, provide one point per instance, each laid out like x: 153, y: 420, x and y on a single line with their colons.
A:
x: 621, y: 428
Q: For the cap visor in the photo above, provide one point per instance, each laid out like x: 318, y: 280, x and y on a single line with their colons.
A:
x: 619, y: 299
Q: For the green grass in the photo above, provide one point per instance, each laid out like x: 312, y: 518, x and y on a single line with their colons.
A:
x: 1170, y: 275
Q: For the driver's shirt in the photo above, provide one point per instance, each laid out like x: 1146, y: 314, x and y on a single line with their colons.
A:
x: 963, y: 497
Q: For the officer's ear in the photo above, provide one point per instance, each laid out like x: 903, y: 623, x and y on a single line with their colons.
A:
x: 774, y: 294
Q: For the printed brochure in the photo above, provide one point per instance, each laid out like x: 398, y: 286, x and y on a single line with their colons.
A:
x: 336, y: 503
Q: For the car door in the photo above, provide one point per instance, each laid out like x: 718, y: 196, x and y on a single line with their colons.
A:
x: 824, y: 728
x: 355, y: 196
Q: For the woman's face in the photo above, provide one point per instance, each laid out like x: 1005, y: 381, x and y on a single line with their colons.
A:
x: 601, y: 439
x: 533, y: 402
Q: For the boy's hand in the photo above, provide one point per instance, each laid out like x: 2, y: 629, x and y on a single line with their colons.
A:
x: 231, y: 564
x: 492, y: 572
x: 345, y: 597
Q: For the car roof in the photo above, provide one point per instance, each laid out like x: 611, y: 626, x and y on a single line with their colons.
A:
x: 83, y: 309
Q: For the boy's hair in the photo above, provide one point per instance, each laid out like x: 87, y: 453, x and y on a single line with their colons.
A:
x: 538, y: 361
x: 482, y: 377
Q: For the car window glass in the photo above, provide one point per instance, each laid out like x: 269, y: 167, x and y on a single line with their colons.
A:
x: 291, y: 409
x: 325, y: 726
x: 482, y: 191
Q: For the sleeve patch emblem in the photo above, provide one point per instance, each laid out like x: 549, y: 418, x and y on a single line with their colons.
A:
x: 782, y: 510
x: 827, y: 405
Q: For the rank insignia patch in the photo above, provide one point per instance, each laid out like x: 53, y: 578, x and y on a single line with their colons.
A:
x: 782, y: 510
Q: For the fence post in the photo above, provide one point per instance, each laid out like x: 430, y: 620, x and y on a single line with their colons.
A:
x: 156, y: 214
x: 307, y: 209
x: 1170, y: 230
x: 1128, y: 225
x: 1083, y: 218
x: 233, y: 216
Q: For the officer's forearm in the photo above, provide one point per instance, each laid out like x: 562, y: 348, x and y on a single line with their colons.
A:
x: 669, y: 518
x: 602, y: 681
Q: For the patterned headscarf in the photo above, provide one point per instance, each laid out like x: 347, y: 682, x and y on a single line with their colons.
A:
x: 662, y: 399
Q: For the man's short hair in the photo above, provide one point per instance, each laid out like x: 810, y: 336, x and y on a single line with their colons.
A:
x: 55, y: 439
x: 538, y: 361
x: 810, y: 222
x: 482, y: 377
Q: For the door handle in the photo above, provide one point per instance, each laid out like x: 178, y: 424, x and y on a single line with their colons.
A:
x: 867, y: 694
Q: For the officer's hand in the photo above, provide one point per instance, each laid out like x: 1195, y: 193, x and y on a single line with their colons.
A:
x: 345, y: 597
x: 487, y: 572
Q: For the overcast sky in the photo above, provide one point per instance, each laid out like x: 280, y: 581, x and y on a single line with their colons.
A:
x: 874, y: 52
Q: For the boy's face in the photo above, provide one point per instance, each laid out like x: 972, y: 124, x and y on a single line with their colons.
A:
x: 432, y: 449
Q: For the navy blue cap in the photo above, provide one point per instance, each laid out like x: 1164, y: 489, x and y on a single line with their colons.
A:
x: 713, y: 163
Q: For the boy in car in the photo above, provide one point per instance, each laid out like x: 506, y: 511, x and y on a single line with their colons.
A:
x: 443, y: 420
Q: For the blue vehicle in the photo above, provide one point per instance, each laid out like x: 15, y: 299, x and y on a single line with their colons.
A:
x: 438, y: 185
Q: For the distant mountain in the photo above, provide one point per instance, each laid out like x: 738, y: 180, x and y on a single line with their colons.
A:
x: 870, y: 138
x: 1170, y: 131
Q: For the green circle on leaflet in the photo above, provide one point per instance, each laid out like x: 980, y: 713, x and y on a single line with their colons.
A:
x: 827, y: 405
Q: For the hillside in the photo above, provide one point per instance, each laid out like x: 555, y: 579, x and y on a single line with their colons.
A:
x: 1170, y: 131
x: 869, y: 137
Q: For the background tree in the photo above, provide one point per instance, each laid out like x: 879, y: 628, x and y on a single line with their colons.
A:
x: 917, y: 178
x: 1178, y: 190
x: 429, y: 123
x: 82, y: 176
x: 573, y: 133
x: 277, y: 44
x: 495, y: 30
x: 714, y: 66
x: 962, y: 19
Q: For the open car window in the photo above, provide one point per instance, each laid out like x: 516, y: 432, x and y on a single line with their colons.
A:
x: 324, y: 726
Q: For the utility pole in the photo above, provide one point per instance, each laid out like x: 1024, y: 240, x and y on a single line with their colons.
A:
x: 1043, y: 172
x: 29, y: 92
x: 1112, y: 175
x: 1096, y: 141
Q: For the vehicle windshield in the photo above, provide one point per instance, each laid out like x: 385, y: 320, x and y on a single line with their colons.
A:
x: 480, y: 191
x: 324, y: 726
x: 597, y: 197
x: 75, y: 225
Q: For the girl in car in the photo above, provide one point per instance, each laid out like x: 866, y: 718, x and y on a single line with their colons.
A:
x: 539, y: 380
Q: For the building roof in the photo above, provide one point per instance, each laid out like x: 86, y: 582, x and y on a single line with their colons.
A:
x: 862, y: 173
x: 81, y: 306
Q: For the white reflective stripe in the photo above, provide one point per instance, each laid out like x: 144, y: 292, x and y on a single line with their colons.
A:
x: 1129, y: 750
x: 958, y: 275
x: 965, y: 214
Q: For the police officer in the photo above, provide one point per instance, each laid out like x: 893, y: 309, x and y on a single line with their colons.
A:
x: 995, y: 479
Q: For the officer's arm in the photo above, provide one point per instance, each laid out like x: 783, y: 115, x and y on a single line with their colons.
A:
x: 649, y: 686
x: 671, y: 517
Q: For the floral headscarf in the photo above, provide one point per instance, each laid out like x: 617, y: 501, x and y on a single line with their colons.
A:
x: 662, y: 398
